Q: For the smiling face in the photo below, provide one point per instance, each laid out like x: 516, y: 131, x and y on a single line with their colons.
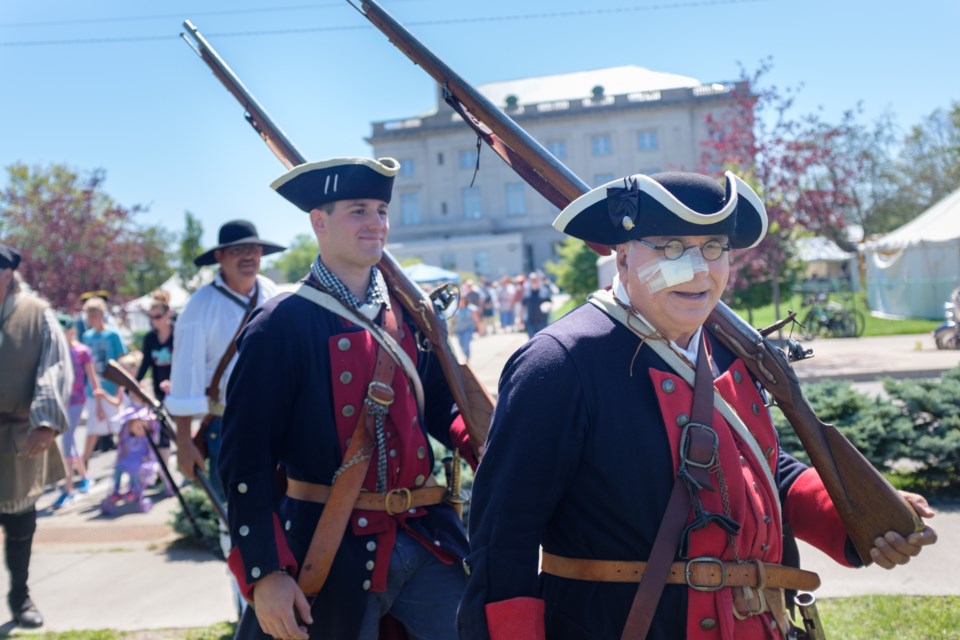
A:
x: 351, y: 234
x: 240, y: 262
x: 677, y: 310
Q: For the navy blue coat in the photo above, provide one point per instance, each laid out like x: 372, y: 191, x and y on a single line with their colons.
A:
x: 285, y: 407
x: 579, y: 461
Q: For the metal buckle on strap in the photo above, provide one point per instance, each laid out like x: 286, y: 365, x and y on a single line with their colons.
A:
x: 408, y: 500
x: 381, y: 393
x: 685, y: 445
x: 688, y: 574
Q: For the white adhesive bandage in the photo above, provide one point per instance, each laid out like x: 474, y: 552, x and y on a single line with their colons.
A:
x: 663, y: 273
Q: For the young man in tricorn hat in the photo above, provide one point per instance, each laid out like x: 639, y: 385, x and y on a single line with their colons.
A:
x: 594, y: 417
x: 204, y: 335
x: 330, y: 386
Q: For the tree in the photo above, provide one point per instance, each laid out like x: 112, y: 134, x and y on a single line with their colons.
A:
x: 153, y: 268
x: 190, y: 247
x: 72, y: 235
x: 296, y: 260
x: 576, y: 271
x: 803, y: 176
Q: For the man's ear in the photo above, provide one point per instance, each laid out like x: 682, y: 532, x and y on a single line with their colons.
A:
x: 621, y: 255
x: 318, y: 220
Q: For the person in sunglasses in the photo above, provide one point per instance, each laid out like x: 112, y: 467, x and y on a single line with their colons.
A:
x: 635, y: 449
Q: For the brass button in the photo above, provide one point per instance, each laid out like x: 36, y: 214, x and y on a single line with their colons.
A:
x: 767, y: 518
x: 421, y: 452
x: 737, y: 377
x: 682, y: 419
x: 371, y: 546
x: 361, y: 522
x: 756, y: 409
x: 347, y: 411
x: 366, y: 585
x: 419, y: 480
x: 346, y: 377
x: 287, y: 525
x: 212, y: 435
x: 393, y: 453
x: 343, y: 344
x: 242, y: 487
x: 668, y: 386
x: 255, y: 572
x: 369, y: 565
x: 244, y: 530
x: 707, y: 624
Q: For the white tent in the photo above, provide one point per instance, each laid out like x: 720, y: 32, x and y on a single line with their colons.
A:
x: 911, y: 271
x: 137, y: 310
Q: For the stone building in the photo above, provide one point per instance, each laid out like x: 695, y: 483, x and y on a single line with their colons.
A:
x: 602, y: 124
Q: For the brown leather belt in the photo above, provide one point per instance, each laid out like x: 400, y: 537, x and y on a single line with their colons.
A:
x: 393, y: 502
x: 701, y: 574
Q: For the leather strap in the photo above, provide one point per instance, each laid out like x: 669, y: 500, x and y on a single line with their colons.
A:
x: 703, y: 574
x: 393, y: 502
x: 213, y: 391
x: 347, y: 485
x: 678, y: 506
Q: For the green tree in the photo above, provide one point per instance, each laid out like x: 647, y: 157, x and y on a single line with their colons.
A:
x: 154, y: 267
x: 190, y: 247
x: 296, y: 260
x: 72, y: 235
x: 576, y: 270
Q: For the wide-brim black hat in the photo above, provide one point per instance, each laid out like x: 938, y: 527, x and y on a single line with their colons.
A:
x: 666, y: 204
x: 315, y: 184
x: 9, y: 257
x: 233, y: 233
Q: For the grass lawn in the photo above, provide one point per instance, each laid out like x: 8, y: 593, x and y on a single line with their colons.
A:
x: 860, y: 618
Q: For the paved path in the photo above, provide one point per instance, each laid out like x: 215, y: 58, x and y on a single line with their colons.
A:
x: 91, y: 572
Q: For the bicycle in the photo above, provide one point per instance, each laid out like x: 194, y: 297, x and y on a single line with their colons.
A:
x: 830, y: 319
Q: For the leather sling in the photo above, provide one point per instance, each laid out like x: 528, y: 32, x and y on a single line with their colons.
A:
x: 346, y: 487
x: 678, y: 506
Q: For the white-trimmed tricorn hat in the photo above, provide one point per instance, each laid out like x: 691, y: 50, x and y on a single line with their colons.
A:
x: 314, y: 184
x: 666, y: 204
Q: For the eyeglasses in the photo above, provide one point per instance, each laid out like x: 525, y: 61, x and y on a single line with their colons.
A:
x: 157, y: 317
x: 244, y: 249
x: 710, y: 250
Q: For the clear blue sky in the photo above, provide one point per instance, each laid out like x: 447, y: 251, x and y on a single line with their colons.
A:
x: 148, y: 111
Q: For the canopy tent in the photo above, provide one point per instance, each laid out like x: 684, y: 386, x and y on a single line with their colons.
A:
x: 828, y: 264
x: 911, y: 271
x: 137, y: 310
x: 430, y: 274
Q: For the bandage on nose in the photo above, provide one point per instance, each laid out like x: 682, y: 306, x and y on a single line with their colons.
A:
x: 663, y: 273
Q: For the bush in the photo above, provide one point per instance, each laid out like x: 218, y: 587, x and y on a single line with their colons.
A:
x: 913, y: 433
x: 203, y: 514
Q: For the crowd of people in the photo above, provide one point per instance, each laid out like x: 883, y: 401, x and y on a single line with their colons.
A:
x: 629, y: 445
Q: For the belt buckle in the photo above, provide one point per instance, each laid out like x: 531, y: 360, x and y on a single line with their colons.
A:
x: 375, y: 388
x: 685, y: 445
x: 687, y: 574
x: 408, y: 498
x: 761, y: 599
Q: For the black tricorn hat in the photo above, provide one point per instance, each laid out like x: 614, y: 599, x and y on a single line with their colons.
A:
x: 314, y: 184
x: 9, y: 257
x: 666, y: 204
x: 236, y: 232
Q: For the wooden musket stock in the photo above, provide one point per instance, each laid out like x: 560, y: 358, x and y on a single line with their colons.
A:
x: 476, y: 405
x: 867, y: 503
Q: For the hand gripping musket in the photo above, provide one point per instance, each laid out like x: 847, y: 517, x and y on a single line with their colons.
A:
x: 475, y: 404
x: 867, y: 503
x: 116, y: 374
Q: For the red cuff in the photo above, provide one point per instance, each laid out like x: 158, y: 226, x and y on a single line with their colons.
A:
x: 516, y: 618
x: 813, y: 518
x: 460, y: 440
x: 284, y: 557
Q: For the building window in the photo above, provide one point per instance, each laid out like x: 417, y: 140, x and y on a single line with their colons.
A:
x: 410, y: 208
x: 407, y: 168
x: 471, y: 202
x: 448, y: 261
x: 481, y: 263
x: 440, y: 158
x: 601, y: 145
x: 515, y: 201
x: 646, y: 140
x: 602, y: 178
x: 468, y: 159
x: 558, y: 148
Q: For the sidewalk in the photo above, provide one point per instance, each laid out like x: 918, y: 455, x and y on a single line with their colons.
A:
x: 93, y: 572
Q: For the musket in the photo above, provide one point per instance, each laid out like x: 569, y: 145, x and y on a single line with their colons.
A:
x: 868, y: 505
x: 118, y: 375
x: 472, y: 398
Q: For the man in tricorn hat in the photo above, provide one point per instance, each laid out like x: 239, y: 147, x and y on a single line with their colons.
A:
x: 331, y: 387
x: 35, y: 383
x: 204, y: 335
x: 597, y: 429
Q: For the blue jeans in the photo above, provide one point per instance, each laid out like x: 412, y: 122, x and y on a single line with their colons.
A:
x: 422, y: 594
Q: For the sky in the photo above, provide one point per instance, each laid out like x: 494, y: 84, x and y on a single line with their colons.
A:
x: 105, y: 84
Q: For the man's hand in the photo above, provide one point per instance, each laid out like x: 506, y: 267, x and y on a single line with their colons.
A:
x: 38, y: 440
x: 165, y: 386
x: 188, y: 456
x: 893, y: 549
x: 278, y: 603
